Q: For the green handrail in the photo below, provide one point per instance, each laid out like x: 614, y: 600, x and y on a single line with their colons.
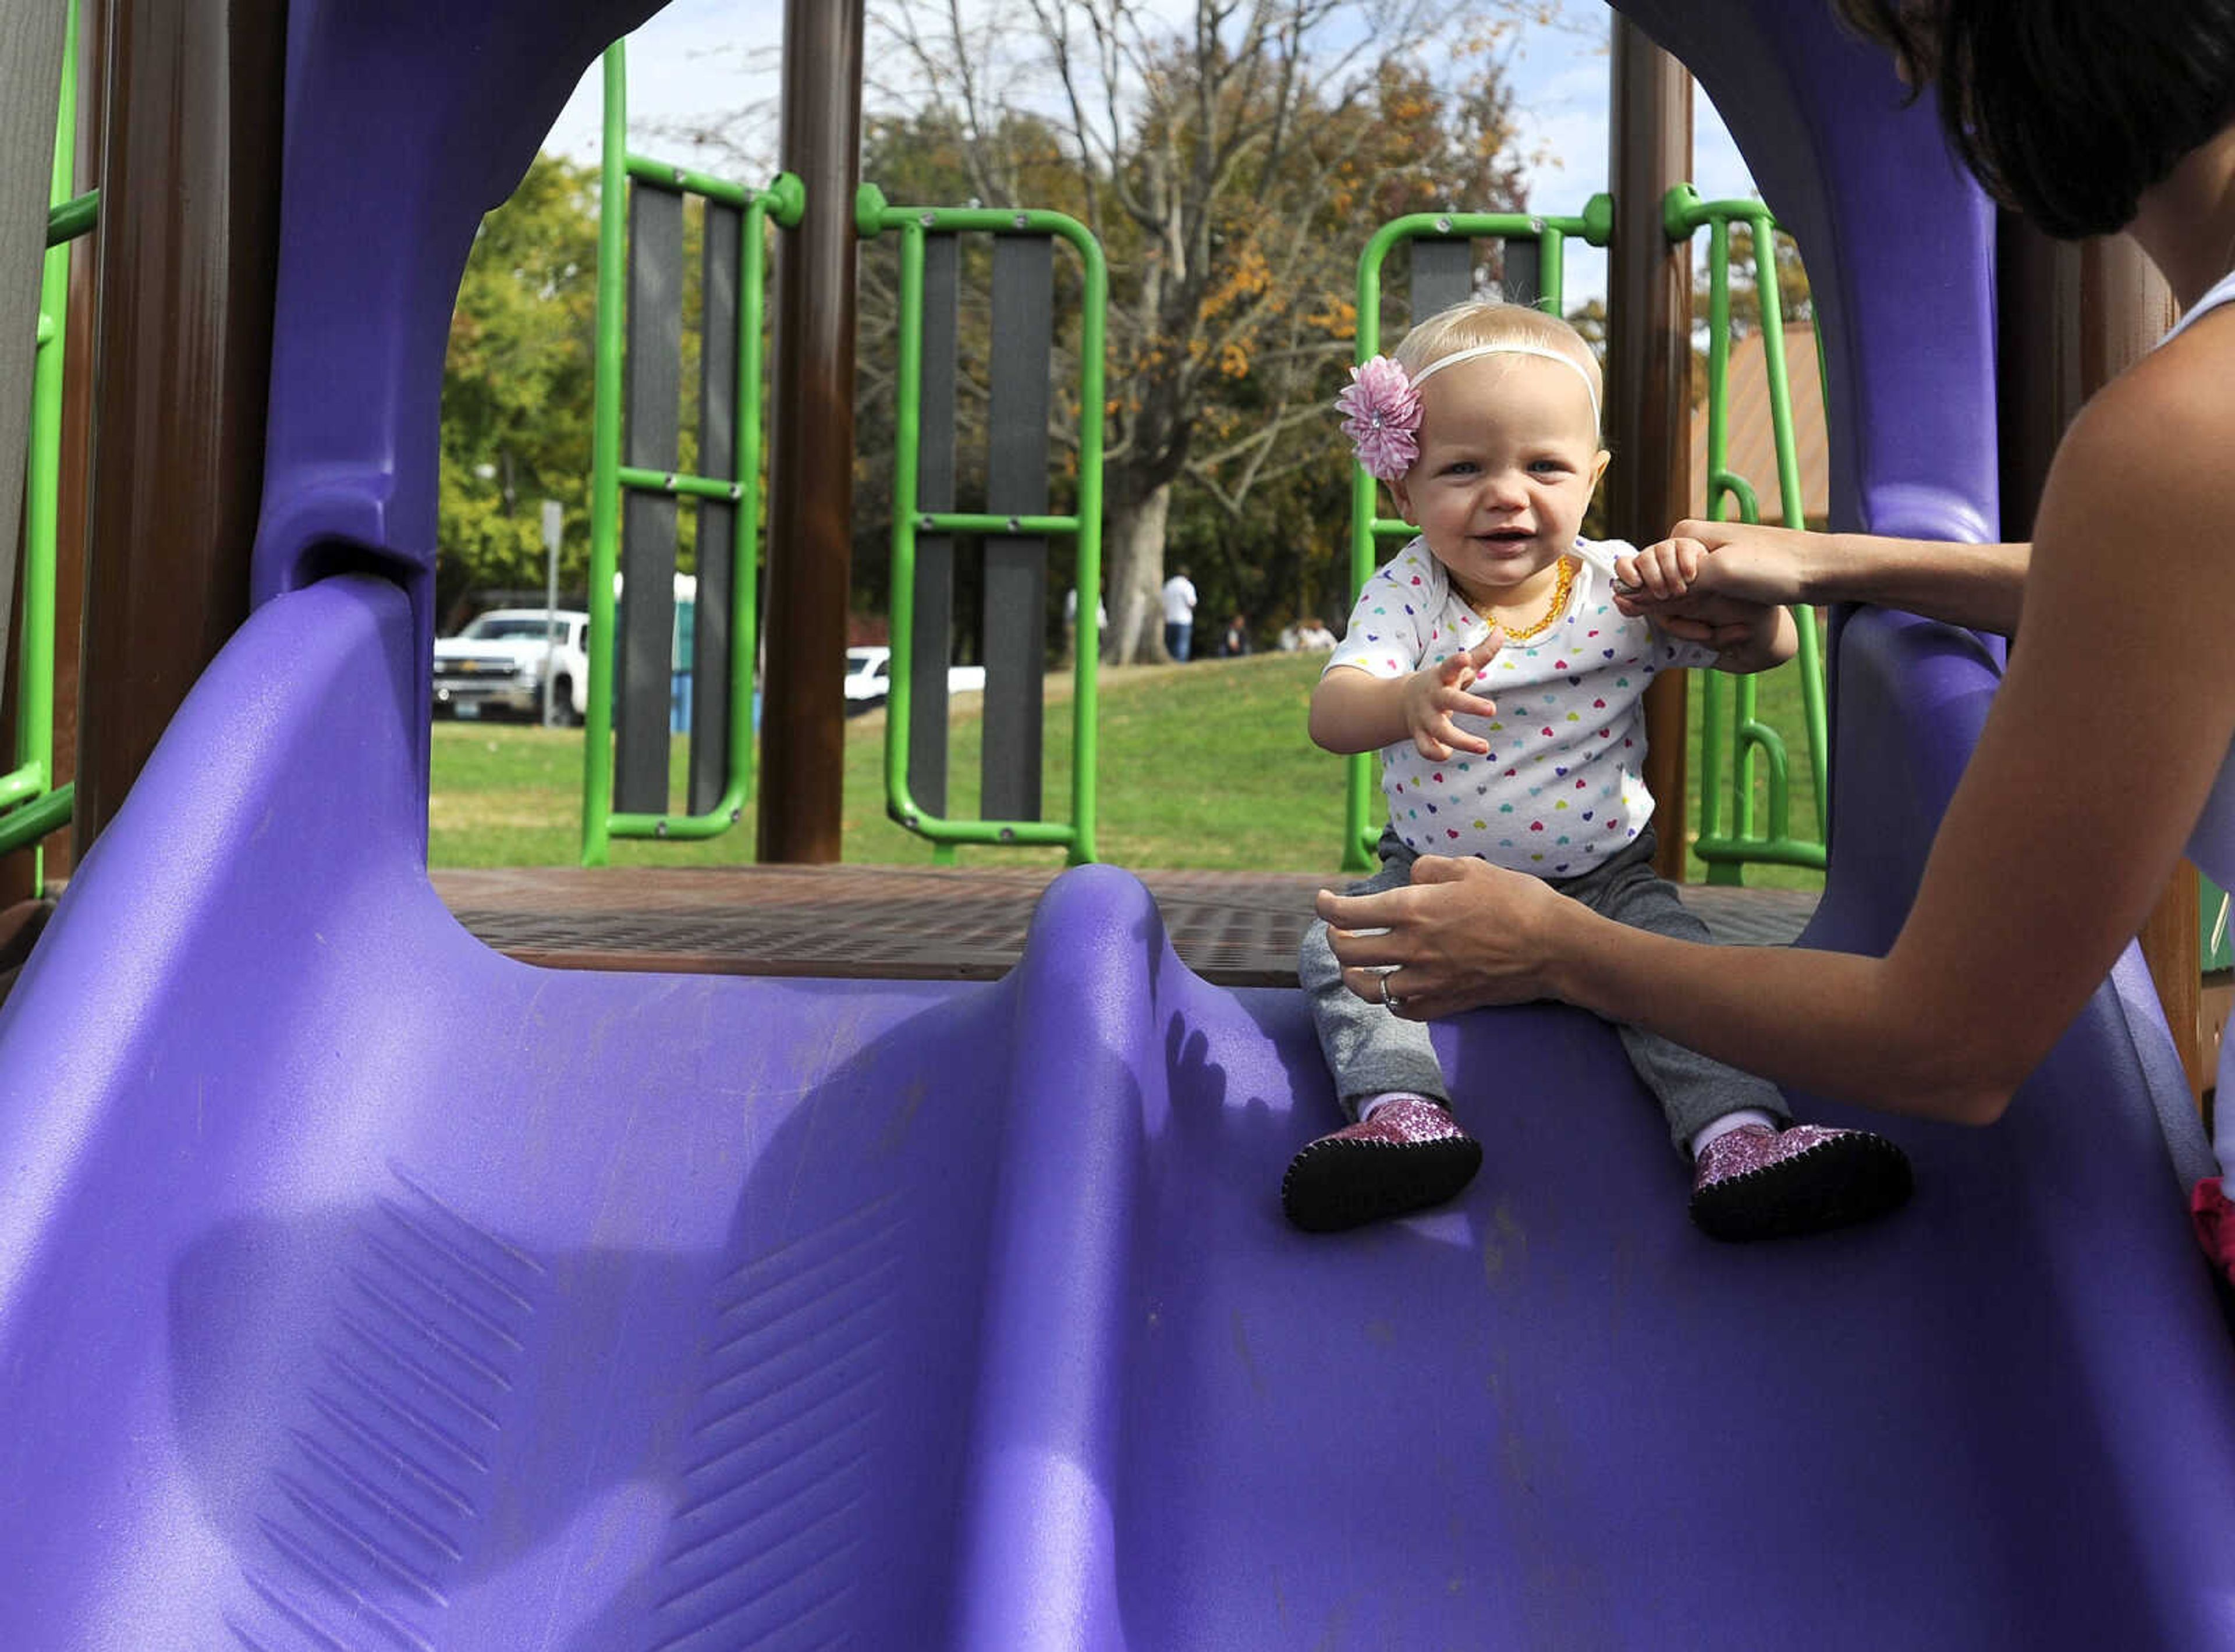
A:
x: 68, y: 219
x: 34, y: 804
x: 1594, y: 226
x: 872, y: 217
x: 1729, y: 850
x: 783, y: 202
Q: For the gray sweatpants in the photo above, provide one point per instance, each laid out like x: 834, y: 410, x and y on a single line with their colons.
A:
x: 1370, y: 1051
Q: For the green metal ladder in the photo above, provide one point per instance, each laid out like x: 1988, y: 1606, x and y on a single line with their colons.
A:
x: 32, y: 805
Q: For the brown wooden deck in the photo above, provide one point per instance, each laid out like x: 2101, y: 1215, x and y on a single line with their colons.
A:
x: 1236, y: 928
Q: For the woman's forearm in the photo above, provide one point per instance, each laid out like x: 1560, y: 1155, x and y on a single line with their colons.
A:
x: 1832, y: 1023
x: 1980, y: 587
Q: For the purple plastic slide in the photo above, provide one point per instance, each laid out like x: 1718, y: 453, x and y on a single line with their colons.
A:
x: 361, y: 1288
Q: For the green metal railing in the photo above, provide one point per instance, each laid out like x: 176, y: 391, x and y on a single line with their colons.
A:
x: 1367, y: 530
x: 873, y: 217
x: 781, y: 202
x: 32, y: 805
x: 1731, y: 832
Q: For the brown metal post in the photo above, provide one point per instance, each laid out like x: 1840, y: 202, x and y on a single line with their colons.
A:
x: 1649, y: 367
x: 2073, y: 317
x: 189, y: 228
x: 811, y: 441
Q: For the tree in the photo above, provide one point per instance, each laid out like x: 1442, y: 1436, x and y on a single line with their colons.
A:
x: 1231, y: 167
x: 517, y: 387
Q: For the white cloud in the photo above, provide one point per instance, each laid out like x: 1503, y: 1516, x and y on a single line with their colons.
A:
x: 694, y: 62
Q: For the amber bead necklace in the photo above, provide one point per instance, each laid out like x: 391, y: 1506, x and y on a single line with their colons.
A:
x: 1562, y: 587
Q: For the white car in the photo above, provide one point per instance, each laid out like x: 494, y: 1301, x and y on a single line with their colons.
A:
x: 497, y: 664
x: 869, y: 678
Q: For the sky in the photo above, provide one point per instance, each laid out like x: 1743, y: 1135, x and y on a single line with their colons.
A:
x: 700, y: 58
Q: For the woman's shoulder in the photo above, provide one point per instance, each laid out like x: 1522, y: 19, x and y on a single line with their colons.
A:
x: 2151, y: 447
x: 2141, y: 489
x: 2192, y: 374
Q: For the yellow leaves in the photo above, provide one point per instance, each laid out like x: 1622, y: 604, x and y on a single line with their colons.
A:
x: 1233, y: 361
x: 1246, y: 276
x: 1338, y: 318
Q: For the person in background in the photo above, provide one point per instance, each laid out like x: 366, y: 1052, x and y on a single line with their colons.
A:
x: 1234, y: 641
x: 1179, y: 615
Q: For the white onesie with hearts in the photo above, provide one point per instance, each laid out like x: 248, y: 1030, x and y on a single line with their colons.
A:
x: 1563, y: 786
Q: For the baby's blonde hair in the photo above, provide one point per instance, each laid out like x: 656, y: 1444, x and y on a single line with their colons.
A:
x: 1464, y: 326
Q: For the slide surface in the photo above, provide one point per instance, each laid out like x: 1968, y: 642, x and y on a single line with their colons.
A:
x: 360, y: 1287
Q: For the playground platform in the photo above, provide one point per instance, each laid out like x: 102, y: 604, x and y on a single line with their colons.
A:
x: 922, y: 923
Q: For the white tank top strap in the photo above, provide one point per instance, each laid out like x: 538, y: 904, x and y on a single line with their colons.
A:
x: 2220, y: 292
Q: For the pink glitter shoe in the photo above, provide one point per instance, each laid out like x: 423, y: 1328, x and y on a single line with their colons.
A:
x: 2214, y: 1218
x: 1409, y: 1155
x: 1755, y: 1183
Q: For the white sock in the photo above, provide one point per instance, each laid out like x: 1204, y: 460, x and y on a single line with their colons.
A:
x: 1366, y: 1108
x: 1728, y: 1123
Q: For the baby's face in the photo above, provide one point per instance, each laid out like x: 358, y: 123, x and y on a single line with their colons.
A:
x: 1509, y: 457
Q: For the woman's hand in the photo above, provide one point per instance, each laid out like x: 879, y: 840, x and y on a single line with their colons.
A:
x: 1435, y: 694
x: 1464, y: 932
x: 1707, y: 582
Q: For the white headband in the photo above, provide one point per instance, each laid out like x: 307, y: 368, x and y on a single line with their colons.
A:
x: 1540, y: 350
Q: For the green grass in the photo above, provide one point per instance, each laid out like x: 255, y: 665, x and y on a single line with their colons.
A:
x: 1204, y: 766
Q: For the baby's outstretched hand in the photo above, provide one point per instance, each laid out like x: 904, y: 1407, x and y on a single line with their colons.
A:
x: 1660, y: 572
x: 1435, y: 694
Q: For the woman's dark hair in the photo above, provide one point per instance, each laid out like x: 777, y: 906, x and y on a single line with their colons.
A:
x: 2066, y: 109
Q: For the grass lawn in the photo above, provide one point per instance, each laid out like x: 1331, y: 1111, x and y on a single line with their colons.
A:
x: 1204, y: 766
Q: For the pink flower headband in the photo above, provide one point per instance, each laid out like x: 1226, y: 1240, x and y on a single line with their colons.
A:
x: 1381, y: 405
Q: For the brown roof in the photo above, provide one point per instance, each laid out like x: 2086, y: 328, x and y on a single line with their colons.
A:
x: 1753, y: 450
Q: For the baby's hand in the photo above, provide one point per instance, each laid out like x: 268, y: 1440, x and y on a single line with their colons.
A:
x: 1434, y: 694
x: 1659, y: 573
x: 1681, y: 585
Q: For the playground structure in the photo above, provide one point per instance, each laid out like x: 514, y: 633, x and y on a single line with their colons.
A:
x: 359, y: 1287
x: 640, y: 359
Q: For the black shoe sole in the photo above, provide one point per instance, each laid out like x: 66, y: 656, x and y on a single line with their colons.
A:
x: 1332, y: 1185
x: 1841, y: 1181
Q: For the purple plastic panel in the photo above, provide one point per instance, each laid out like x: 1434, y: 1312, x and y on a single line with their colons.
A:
x: 1899, y: 246
x: 361, y: 1288
x: 407, y: 122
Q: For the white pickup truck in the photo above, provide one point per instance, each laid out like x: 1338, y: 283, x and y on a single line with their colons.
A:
x: 497, y: 664
x: 869, y: 678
